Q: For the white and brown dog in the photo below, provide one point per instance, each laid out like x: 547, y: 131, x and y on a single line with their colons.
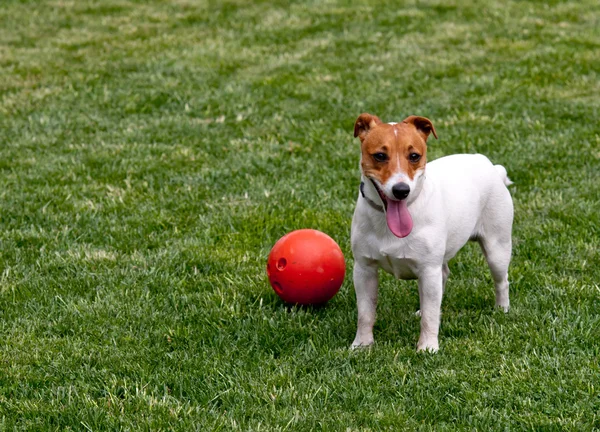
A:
x: 411, y: 218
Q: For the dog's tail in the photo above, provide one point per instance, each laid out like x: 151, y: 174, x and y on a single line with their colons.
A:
x: 503, y: 175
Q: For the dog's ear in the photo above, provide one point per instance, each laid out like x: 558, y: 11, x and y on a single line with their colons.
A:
x: 364, y: 123
x: 423, y: 125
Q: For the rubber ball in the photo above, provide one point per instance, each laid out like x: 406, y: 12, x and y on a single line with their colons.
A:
x: 306, y: 267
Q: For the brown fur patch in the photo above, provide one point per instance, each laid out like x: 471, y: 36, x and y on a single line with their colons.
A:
x: 364, y: 123
x: 398, y: 142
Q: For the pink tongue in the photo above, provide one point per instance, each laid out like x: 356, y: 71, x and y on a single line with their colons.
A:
x: 398, y: 218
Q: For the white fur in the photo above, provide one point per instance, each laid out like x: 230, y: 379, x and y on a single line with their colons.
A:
x: 455, y: 199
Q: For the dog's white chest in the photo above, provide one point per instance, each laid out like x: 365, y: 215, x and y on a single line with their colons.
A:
x: 397, y: 257
x: 401, y: 258
x: 401, y: 268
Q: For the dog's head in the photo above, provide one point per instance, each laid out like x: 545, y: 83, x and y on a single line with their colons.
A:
x: 394, y: 157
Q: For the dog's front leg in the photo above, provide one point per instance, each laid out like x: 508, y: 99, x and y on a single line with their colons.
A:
x: 365, y: 285
x: 430, y: 296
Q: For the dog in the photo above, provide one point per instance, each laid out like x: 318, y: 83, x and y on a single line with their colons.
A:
x: 412, y: 217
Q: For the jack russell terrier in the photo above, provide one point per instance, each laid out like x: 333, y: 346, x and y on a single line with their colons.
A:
x: 411, y: 218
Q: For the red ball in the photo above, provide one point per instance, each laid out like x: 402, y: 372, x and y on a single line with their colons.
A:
x: 306, y: 267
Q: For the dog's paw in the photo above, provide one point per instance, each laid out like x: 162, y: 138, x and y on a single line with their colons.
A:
x: 361, y: 344
x: 429, y: 346
x: 505, y: 308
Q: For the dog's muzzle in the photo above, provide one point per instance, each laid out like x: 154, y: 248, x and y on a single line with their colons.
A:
x: 401, y: 190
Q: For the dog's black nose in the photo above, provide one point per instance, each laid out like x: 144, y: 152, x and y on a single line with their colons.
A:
x: 401, y: 190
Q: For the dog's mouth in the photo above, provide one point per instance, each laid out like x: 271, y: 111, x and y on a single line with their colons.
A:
x: 397, y: 216
x: 380, y: 192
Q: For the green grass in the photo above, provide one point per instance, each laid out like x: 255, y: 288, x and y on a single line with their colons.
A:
x: 151, y: 153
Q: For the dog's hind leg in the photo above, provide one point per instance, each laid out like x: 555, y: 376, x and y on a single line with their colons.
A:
x: 445, y: 274
x: 495, y: 239
x: 497, y: 251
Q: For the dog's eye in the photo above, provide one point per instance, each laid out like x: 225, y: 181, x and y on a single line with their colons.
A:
x: 414, y: 157
x: 380, y: 157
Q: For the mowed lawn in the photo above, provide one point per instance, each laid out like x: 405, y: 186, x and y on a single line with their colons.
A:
x: 152, y: 152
